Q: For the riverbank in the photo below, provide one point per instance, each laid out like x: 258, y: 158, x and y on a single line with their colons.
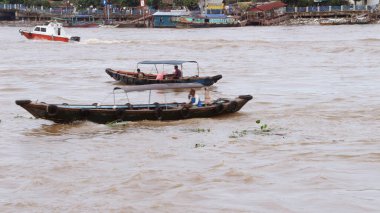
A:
x: 289, y: 22
x: 20, y: 23
x: 311, y: 21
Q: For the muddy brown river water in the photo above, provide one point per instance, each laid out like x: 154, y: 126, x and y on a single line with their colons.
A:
x: 315, y: 87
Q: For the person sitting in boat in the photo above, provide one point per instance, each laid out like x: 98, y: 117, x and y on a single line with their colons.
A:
x: 177, y: 73
x: 208, y: 100
x: 194, y: 98
x: 140, y: 74
x: 160, y: 76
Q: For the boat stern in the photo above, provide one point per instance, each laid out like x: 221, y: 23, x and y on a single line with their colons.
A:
x: 30, y: 107
x: 216, y: 78
x: 109, y: 71
x: 23, y: 102
x: 246, y: 97
x: 58, y: 113
x: 113, y: 74
x: 239, y: 102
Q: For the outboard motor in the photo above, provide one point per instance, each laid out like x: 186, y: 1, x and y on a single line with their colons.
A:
x: 75, y: 38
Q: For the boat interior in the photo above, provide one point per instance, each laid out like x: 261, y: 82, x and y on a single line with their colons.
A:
x: 136, y: 106
x: 146, y: 75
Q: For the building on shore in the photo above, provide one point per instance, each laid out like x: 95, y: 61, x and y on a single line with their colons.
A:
x: 364, y: 2
x: 267, y: 14
x: 167, y: 19
x: 211, y: 6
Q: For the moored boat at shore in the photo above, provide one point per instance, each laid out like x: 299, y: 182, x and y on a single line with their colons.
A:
x: 65, y: 113
x: 134, y: 78
x: 342, y: 21
x: 80, y: 21
x: 208, y: 20
x: 334, y: 21
x: 52, y: 31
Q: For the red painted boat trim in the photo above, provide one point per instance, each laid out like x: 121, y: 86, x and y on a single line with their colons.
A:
x: 35, y: 36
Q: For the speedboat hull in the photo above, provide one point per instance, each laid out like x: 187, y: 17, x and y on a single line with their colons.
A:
x: 35, y: 36
x: 51, y: 31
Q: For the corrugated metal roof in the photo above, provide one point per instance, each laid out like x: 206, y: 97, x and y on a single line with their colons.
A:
x: 269, y: 6
x: 172, y: 13
x: 171, y: 62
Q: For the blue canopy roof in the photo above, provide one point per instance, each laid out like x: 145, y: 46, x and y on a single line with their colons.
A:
x: 216, y: 16
x: 171, y: 62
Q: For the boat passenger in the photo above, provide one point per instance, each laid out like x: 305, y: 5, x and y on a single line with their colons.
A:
x: 160, y: 76
x: 177, y: 73
x: 207, y: 97
x: 194, y: 98
x: 140, y: 74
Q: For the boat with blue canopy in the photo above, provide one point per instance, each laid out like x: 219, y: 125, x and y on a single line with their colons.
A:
x: 159, y: 74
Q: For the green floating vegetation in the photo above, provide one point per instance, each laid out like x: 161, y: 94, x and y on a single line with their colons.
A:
x: 241, y: 133
x: 263, y: 127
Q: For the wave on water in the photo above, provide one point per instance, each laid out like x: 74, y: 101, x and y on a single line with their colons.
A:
x: 79, y: 129
x: 100, y: 41
x: 94, y: 41
x: 12, y: 89
x: 342, y: 49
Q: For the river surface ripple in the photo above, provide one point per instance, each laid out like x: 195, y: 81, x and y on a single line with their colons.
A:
x: 316, y: 87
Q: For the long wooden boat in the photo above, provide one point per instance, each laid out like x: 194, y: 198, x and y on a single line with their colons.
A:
x: 132, y: 78
x: 66, y: 113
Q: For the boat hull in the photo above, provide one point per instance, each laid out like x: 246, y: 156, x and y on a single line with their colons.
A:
x: 35, y: 36
x: 130, y: 78
x: 63, y: 113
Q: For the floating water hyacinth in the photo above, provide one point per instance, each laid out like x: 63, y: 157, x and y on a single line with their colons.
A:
x: 263, y: 127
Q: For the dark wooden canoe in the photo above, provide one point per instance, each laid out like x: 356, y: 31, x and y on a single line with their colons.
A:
x: 130, y: 78
x: 65, y: 113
